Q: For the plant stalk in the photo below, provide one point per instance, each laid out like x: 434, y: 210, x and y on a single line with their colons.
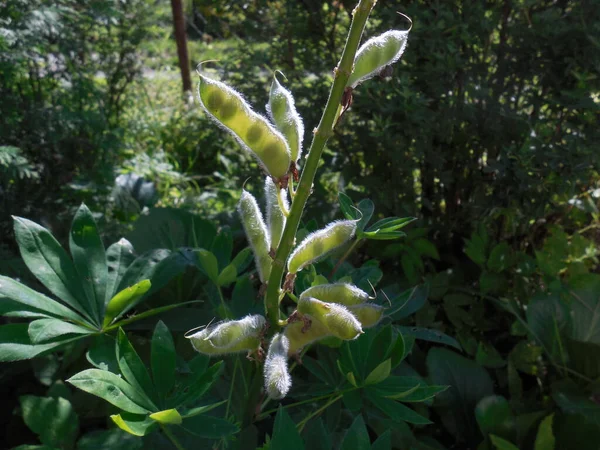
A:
x: 321, y: 135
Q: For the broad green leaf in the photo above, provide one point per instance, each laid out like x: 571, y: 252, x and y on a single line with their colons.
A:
x: 347, y: 207
x: 426, y: 334
x: 584, y: 357
x: 502, y: 444
x: 572, y: 400
x: 383, y: 442
x: 53, y: 419
x: 426, y: 248
x: 476, y: 249
x: 316, y: 437
x: 132, y: 367
x: 408, y: 302
x: 356, y: 437
x: 138, y: 425
x: 16, y: 345
x: 549, y: 322
x: 545, y: 437
x: 208, y: 264
x: 34, y: 301
x: 143, y: 268
x: 119, y: 257
x: 500, y: 258
x: 49, y: 262
x: 89, y: 258
x: 395, y: 410
x: 285, y: 435
x: 163, y: 359
x: 379, y: 349
x: 167, y: 417
x: 488, y: 356
x: 366, y: 208
x: 468, y: 383
x: 113, y: 439
x: 124, y: 300
x: 585, y: 308
x: 407, y: 389
x: 209, y: 427
x: 242, y: 260
x: 101, y: 353
x: 44, y: 330
x: 353, y: 400
x: 494, y: 416
x: 222, y: 247
x: 380, y: 373
x: 111, y: 388
x: 227, y: 276
x: 400, y: 350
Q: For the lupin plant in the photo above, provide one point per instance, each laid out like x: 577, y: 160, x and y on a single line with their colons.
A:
x: 339, y: 310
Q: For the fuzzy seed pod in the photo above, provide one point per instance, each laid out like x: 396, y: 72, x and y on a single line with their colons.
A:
x: 377, y: 53
x: 368, y: 314
x: 253, y: 131
x: 275, y: 216
x: 318, y: 244
x: 299, y: 339
x: 336, y: 318
x: 232, y: 336
x: 282, y: 110
x: 277, y: 376
x: 257, y: 234
x: 343, y: 293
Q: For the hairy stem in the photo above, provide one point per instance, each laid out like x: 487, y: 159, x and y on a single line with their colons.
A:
x: 321, y: 135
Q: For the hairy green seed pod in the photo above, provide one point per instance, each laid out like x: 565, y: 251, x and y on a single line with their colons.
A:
x: 277, y: 376
x: 368, y: 314
x: 336, y: 318
x: 275, y: 217
x: 343, y: 293
x: 257, y: 234
x: 318, y: 244
x: 253, y: 131
x: 232, y: 336
x: 282, y: 110
x: 377, y: 53
x: 299, y: 339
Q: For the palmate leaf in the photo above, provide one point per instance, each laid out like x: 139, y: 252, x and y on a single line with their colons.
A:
x: 357, y: 436
x: 119, y: 257
x: 53, y: 419
x: 285, y: 434
x: 49, y: 262
x: 16, y: 345
x: 89, y: 257
x: 44, y: 330
x: 395, y: 410
x: 132, y: 367
x: 163, y: 359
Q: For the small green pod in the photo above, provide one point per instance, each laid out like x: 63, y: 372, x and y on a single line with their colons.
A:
x: 124, y: 300
x: 376, y: 54
x: 343, y: 293
x: 282, y: 111
x: 275, y: 216
x: 257, y: 234
x: 231, y: 336
x: 368, y: 314
x: 336, y: 318
x: 252, y: 131
x: 318, y: 244
x: 277, y: 376
x: 299, y: 339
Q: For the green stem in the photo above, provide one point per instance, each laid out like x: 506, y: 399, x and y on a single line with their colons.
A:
x: 321, y: 135
x: 172, y: 437
x: 304, y: 421
x: 235, y: 366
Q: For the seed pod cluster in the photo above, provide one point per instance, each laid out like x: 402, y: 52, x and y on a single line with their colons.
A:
x: 336, y: 318
x: 257, y: 234
x: 231, y: 336
x: 318, y: 244
x: 276, y: 198
x: 376, y: 54
x: 343, y: 293
x: 299, y: 337
x: 229, y: 109
x: 277, y: 376
x: 282, y: 110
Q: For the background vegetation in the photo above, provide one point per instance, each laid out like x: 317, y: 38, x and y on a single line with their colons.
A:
x: 486, y: 132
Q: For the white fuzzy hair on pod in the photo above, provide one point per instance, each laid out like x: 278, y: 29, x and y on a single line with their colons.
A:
x: 379, y: 43
x: 277, y: 376
x: 343, y: 293
x: 275, y: 217
x: 256, y: 232
x: 342, y: 322
x: 320, y: 243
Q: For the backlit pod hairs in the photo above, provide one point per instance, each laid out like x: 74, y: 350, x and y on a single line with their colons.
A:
x: 342, y: 293
x: 318, y: 244
x: 368, y: 314
x: 229, y: 109
x: 275, y: 217
x: 277, y: 376
x: 377, y: 53
x: 336, y: 318
x: 300, y: 337
x: 257, y: 234
x: 282, y: 110
x: 231, y: 336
